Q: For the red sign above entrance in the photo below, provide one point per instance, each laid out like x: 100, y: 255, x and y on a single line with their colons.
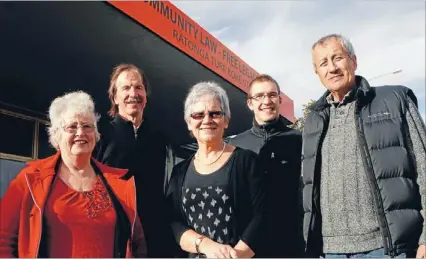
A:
x: 171, y: 24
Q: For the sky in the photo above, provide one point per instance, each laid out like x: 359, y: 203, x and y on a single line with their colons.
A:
x: 275, y: 37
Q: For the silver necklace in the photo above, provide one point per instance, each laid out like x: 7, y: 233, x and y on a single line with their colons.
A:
x: 223, y: 149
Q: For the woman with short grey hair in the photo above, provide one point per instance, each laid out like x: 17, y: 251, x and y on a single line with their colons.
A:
x: 210, y: 89
x: 70, y: 205
x: 216, y: 196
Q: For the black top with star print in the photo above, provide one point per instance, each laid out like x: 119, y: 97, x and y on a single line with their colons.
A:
x: 207, y: 203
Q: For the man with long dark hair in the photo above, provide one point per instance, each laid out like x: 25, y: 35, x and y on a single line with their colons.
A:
x: 129, y: 141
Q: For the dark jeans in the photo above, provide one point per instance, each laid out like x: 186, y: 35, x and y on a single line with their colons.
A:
x: 378, y: 253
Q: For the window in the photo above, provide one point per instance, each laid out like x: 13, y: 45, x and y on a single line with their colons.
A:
x: 17, y: 136
x: 23, y: 138
x: 44, y: 147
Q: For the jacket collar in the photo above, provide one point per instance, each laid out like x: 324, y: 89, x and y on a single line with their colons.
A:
x: 118, y: 120
x: 41, y: 174
x: 45, y: 167
x: 121, y: 121
x: 362, y: 91
x: 48, y: 166
x: 109, y: 172
x: 126, y: 126
x: 269, y: 128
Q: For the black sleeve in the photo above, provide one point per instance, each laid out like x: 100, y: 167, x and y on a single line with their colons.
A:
x: 163, y: 156
x: 173, y: 206
x: 255, y: 180
x: 161, y: 160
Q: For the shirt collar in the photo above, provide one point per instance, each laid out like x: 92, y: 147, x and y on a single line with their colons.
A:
x: 349, y: 97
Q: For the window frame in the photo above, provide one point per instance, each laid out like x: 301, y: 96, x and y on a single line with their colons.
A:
x: 35, y: 143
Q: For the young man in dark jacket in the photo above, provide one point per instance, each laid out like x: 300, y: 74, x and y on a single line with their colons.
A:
x: 130, y: 142
x: 279, y: 148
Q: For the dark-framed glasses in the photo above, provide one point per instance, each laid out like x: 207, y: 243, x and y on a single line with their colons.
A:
x: 73, y: 127
x: 261, y: 96
x: 211, y: 114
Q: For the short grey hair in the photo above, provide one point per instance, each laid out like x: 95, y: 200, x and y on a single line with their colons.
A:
x: 346, y: 44
x: 203, y: 89
x: 77, y: 102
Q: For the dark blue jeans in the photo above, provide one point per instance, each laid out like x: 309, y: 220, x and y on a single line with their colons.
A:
x: 378, y: 253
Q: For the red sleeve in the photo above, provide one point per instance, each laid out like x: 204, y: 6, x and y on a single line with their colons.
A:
x: 10, y: 208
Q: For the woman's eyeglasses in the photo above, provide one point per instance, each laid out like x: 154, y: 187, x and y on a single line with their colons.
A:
x: 72, y: 128
x: 211, y: 114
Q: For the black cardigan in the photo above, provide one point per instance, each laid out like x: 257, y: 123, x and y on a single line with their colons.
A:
x: 248, y: 188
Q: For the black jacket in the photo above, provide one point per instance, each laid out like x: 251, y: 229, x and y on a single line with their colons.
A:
x: 379, y: 119
x: 247, y: 187
x: 144, y: 154
x: 279, y: 148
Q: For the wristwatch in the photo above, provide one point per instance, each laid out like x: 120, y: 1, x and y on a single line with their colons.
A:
x: 198, y: 242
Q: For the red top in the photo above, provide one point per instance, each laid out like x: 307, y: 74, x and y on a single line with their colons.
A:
x: 21, y: 215
x: 79, y: 224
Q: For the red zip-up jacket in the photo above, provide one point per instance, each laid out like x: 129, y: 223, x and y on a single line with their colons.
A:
x: 21, y: 209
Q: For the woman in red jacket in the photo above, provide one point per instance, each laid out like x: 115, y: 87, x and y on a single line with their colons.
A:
x: 70, y: 205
